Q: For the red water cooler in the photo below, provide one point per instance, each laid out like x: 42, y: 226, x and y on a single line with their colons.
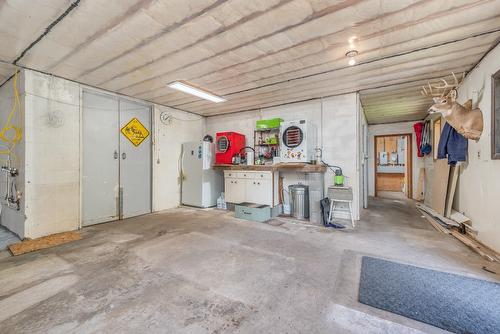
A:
x: 227, y: 145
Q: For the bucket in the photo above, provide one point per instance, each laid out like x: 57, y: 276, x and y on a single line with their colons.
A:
x: 299, y: 201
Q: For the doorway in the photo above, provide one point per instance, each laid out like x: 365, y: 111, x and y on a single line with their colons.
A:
x: 116, y: 168
x: 393, y: 166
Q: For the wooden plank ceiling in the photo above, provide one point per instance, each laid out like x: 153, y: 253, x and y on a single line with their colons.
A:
x: 255, y: 53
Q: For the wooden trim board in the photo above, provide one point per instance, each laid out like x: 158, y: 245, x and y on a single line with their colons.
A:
x: 436, y: 215
x: 485, y: 252
x: 53, y: 240
x: 434, y: 223
x: 298, y: 167
x: 409, y: 165
x: 450, y: 193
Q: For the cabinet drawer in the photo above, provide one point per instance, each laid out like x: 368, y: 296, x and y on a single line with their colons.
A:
x: 250, y: 174
x: 263, y: 175
x: 255, y: 175
x: 230, y: 173
x: 240, y: 174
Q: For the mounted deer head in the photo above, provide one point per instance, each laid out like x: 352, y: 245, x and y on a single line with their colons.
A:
x: 467, y: 122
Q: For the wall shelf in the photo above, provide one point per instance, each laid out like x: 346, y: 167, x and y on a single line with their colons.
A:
x: 263, y: 149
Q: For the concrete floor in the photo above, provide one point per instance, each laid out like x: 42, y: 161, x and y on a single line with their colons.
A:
x: 202, y: 271
x: 391, y: 194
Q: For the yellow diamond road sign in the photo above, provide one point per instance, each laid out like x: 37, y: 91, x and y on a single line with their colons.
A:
x: 135, y: 132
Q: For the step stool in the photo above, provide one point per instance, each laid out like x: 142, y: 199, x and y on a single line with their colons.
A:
x: 338, y: 194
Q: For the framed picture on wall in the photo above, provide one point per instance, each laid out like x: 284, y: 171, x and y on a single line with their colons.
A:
x: 495, y: 116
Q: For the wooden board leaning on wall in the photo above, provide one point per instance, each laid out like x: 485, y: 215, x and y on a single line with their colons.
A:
x: 461, y: 231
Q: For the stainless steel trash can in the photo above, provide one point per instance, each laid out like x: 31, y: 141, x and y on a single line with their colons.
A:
x: 299, y: 201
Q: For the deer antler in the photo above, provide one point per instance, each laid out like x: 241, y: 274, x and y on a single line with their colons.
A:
x: 443, y: 90
x: 430, y: 91
x: 455, y: 84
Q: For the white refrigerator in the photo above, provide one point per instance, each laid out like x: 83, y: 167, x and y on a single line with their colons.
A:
x: 201, y: 184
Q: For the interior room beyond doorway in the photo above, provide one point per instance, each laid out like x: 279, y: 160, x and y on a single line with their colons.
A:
x: 393, y: 176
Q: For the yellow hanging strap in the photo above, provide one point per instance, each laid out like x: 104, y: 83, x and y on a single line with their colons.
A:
x: 12, y: 133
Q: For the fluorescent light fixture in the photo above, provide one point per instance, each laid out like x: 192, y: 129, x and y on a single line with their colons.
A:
x: 184, y: 87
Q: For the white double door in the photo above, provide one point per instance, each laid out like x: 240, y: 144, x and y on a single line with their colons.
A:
x: 116, y: 171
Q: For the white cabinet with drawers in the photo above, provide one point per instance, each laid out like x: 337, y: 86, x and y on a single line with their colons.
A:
x: 260, y: 187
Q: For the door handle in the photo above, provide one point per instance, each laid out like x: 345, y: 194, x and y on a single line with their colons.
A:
x: 124, y: 155
x: 115, y: 155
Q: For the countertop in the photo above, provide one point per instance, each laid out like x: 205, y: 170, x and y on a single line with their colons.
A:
x: 291, y: 166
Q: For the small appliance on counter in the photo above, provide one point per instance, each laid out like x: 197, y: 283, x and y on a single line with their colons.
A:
x: 228, y: 145
x: 246, y: 156
x: 236, y: 160
x: 298, y: 141
x: 201, y: 184
x: 250, y: 155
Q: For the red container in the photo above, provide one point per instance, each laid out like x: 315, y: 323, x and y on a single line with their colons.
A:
x: 227, y: 145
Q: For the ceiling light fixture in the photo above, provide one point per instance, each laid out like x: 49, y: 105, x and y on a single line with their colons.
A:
x: 351, y: 54
x: 186, y: 88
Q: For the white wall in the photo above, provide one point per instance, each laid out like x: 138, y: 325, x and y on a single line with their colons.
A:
x: 362, y: 153
x: 478, y: 189
x: 168, y: 138
x: 52, y: 132
x: 390, y: 129
x: 51, y: 187
x: 337, y: 122
x: 9, y: 217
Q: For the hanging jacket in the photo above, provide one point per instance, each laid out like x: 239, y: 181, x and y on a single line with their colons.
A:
x: 417, y: 127
x: 426, y: 146
x: 452, y: 145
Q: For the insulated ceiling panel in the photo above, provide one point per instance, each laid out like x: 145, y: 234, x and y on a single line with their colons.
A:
x: 22, y: 21
x: 6, y: 71
x: 258, y: 53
